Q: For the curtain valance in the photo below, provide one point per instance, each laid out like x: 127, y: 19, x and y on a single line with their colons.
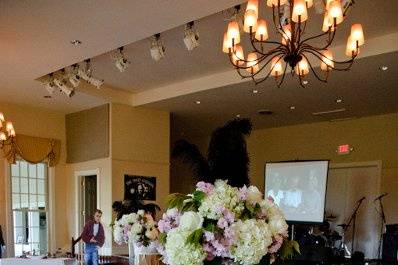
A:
x: 33, y: 149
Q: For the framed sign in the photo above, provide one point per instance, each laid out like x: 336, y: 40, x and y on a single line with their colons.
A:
x: 139, y: 187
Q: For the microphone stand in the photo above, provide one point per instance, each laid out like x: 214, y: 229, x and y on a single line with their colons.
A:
x: 352, y: 220
x: 382, y: 223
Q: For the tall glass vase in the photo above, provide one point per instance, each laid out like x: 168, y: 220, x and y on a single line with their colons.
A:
x: 131, y: 253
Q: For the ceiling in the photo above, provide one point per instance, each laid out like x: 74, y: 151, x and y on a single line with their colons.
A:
x: 365, y: 89
x: 35, y: 40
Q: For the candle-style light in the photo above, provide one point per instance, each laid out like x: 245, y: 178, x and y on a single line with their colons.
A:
x: 327, y: 62
x: 238, y: 55
x: 336, y: 11
x: 252, y: 63
x: 302, y: 67
x: 227, y: 44
x: 262, y: 30
x: 276, y: 67
x: 250, y: 23
x: 233, y: 32
x: 357, y: 34
x: 352, y: 48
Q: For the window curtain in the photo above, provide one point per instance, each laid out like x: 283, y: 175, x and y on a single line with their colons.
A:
x: 33, y: 150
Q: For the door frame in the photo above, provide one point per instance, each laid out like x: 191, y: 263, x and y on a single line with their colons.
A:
x: 79, y: 175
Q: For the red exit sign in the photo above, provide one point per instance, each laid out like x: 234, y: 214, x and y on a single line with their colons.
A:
x: 344, y: 149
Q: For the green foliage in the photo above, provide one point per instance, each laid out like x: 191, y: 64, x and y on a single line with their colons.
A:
x: 198, y: 197
x: 176, y: 200
x: 288, y: 249
x: 162, y: 238
x: 195, y: 237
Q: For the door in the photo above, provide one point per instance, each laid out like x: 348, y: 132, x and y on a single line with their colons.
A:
x: 89, y: 197
x: 347, y: 185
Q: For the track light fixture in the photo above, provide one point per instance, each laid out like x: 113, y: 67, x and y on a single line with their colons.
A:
x: 85, y: 72
x: 62, y: 83
x: 120, y: 60
x: 157, y: 48
x: 73, y: 77
x: 191, y: 36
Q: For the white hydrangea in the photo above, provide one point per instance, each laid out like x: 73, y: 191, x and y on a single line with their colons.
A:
x: 191, y: 221
x: 254, y: 195
x: 222, y: 196
x: 178, y: 252
x: 253, y: 237
x: 118, y: 233
x: 276, y: 218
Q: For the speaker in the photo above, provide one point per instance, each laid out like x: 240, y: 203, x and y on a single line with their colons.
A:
x: 390, y: 245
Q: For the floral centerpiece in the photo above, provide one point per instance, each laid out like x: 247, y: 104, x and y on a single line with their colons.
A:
x: 221, y: 224
x: 139, y: 228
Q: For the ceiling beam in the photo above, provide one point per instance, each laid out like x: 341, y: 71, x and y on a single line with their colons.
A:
x: 372, y: 47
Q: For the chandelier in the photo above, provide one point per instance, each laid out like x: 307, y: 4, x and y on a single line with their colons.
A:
x: 274, y: 58
x: 7, y: 132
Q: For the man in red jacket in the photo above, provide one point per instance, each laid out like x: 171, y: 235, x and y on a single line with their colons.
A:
x: 94, y: 237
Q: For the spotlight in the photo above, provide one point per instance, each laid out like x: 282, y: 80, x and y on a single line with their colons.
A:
x: 64, y: 88
x: 73, y: 77
x: 191, y: 36
x: 157, y: 48
x: 121, y: 62
x: 86, y: 74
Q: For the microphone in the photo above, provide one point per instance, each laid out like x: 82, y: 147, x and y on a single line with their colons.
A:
x: 381, y: 196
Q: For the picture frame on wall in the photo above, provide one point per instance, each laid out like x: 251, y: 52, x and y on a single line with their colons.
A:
x: 139, y: 187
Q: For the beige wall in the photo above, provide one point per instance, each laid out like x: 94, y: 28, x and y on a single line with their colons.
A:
x: 139, y: 146
x: 374, y: 138
x: 41, y: 123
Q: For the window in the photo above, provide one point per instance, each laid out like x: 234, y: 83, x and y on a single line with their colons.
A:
x: 29, y: 207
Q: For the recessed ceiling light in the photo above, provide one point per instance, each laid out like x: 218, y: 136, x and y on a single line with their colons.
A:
x: 237, y: 115
x: 292, y: 107
x: 305, y: 82
x: 384, y: 68
x: 197, y: 102
x: 76, y: 42
x: 255, y: 91
x: 339, y: 100
x: 47, y: 96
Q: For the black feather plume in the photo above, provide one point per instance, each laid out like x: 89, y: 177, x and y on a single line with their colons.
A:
x: 190, y: 154
x: 227, y: 154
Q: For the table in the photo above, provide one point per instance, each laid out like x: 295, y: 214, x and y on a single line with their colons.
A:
x: 20, y: 261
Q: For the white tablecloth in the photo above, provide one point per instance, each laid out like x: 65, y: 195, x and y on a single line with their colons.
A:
x: 17, y: 261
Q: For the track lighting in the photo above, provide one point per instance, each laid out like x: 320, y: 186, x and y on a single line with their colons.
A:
x: 157, y: 48
x: 49, y: 84
x: 64, y: 88
x: 85, y: 73
x: 73, y: 77
x: 191, y: 36
x: 121, y: 62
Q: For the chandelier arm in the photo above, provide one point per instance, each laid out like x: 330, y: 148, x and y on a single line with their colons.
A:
x: 262, y: 58
x: 322, y: 58
x: 280, y: 29
x: 283, y: 76
x: 319, y: 36
x: 270, y: 71
x: 332, y: 60
x: 313, y: 70
x: 280, y: 46
x: 239, y: 68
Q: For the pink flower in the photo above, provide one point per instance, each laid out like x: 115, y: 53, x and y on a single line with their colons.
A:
x: 204, y: 187
x: 243, y: 193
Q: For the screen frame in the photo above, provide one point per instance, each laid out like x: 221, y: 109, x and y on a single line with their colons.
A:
x: 293, y: 222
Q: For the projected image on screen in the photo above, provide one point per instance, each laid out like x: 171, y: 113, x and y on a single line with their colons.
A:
x: 298, y: 188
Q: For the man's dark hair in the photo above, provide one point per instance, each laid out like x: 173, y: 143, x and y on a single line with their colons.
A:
x: 98, y: 211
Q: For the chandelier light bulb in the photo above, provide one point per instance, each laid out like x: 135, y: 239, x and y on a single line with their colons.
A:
x: 3, y: 136
x: 250, y: 22
x: 327, y: 61
x: 276, y: 67
x: 9, y: 126
x: 262, y: 30
x: 302, y: 67
x: 357, y: 34
x: 271, y: 3
x: 252, y: 5
x: 300, y: 12
x: 309, y: 3
x: 252, y: 63
x: 227, y: 44
x: 327, y: 22
x: 233, y: 32
x: 238, y: 55
x: 328, y: 4
x: 336, y: 11
x: 2, y: 117
x: 352, y: 48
